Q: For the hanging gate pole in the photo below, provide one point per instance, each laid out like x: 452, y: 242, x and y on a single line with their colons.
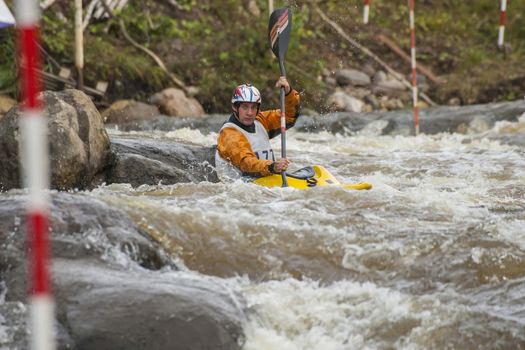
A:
x: 501, y: 34
x: 366, y: 11
x: 413, y: 66
x: 35, y: 168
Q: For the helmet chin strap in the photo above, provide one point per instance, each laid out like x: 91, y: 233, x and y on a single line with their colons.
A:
x: 236, y: 112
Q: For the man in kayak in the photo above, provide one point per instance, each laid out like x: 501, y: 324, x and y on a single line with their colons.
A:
x: 243, y: 145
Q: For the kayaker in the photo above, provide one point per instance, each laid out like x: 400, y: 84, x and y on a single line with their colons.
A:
x: 243, y: 144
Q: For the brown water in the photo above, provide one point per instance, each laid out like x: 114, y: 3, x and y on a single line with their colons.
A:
x: 433, y: 257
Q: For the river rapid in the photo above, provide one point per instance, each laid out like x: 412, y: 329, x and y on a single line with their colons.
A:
x: 433, y: 257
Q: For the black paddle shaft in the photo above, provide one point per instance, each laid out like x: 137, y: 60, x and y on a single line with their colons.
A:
x: 279, y: 29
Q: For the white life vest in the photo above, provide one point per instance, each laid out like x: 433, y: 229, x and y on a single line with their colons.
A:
x: 260, y: 144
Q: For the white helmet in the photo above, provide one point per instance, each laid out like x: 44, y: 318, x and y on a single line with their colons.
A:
x: 246, y: 93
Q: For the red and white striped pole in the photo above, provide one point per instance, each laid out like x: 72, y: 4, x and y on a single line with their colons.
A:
x: 35, y: 167
x: 413, y: 64
x: 366, y: 11
x: 503, y: 10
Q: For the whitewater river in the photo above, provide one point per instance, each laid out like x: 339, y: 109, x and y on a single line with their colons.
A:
x: 432, y: 257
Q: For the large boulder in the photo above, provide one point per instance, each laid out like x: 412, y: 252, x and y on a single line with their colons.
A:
x: 175, y: 103
x: 153, y: 161
x: 142, y: 310
x: 127, y: 111
x: 114, y: 288
x: 83, y: 227
x: 78, y: 141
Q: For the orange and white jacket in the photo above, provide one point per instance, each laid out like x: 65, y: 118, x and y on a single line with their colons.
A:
x: 245, y: 150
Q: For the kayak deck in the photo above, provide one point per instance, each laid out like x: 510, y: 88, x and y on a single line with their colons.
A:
x: 308, y: 177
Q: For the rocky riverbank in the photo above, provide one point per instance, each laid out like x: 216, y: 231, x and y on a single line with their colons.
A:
x: 82, y: 155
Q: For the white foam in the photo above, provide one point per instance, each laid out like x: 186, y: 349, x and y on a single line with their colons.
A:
x: 512, y: 232
x: 300, y: 315
x: 193, y: 136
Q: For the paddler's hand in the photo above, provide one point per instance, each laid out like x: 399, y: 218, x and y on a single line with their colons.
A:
x: 280, y: 165
x: 282, y: 82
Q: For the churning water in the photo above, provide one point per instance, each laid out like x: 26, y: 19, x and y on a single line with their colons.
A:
x: 433, y: 257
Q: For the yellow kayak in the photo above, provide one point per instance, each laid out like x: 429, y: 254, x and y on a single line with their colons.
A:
x: 308, y: 177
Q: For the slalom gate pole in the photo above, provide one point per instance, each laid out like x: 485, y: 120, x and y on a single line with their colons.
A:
x: 35, y: 168
x: 413, y: 66
x: 366, y: 11
x: 501, y: 34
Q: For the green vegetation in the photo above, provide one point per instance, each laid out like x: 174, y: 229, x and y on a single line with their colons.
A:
x: 8, y: 68
x: 215, y: 45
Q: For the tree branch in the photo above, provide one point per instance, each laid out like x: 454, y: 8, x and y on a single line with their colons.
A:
x: 396, y: 49
x: 367, y: 52
x: 150, y: 53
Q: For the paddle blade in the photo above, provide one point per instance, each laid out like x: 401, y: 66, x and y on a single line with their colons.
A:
x: 279, y: 29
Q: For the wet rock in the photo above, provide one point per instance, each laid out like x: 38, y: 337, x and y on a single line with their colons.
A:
x: 207, y: 124
x: 109, y: 293
x: 137, y: 170
x: 78, y: 141
x: 140, y: 162
x: 82, y: 227
x: 173, y: 102
x: 432, y: 120
x: 137, y: 310
x: 479, y: 124
x: 352, y: 77
x: 13, y: 323
x: 15, y: 334
x: 126, y: 111
x: 340, y: 101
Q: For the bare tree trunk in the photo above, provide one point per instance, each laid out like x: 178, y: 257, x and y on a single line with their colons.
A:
x: 175, y: 4
x: 79, y: 45
x: 89, y: 13
x: 396, y: 49
x: 45, y: 4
